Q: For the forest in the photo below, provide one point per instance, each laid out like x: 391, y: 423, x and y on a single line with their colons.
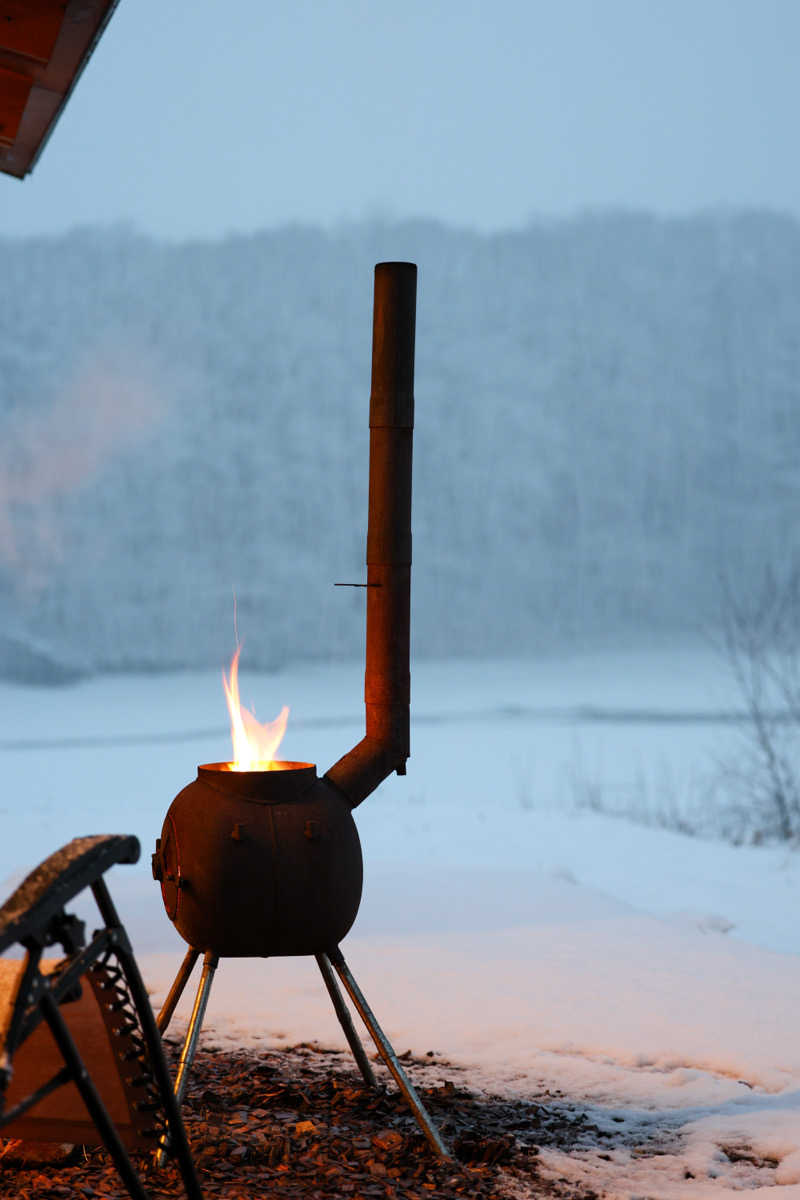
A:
x: 607, y: 427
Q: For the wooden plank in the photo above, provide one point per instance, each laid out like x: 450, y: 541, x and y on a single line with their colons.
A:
x: 14, y: 92
x: 82, y: 26
x: 30, y: 27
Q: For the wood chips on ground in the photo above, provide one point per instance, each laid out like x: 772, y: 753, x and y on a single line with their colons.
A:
x: 299, y: 1124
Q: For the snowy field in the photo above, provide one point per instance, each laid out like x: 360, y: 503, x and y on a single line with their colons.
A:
x: 537, y: 944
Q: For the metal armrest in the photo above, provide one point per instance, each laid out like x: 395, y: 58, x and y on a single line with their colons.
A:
x: 60, y: 877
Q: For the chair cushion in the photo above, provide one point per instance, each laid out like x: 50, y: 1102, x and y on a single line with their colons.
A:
x: 62, y: 1116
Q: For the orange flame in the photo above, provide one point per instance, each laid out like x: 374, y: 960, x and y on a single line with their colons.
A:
x: 254, y: 744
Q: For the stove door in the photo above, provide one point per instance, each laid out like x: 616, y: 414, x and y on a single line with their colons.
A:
x: 166, y: 868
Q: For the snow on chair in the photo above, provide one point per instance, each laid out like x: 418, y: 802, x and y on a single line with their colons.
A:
x: 82, y: 1064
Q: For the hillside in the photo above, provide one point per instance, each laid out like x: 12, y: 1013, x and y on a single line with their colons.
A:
x: 607, y: 421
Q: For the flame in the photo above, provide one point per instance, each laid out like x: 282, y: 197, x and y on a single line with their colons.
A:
x: 254, y: 744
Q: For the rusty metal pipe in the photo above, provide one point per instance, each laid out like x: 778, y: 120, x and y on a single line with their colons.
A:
x: 387, y: 688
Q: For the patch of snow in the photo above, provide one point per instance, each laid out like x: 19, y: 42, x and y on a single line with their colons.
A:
x: 643, y: 978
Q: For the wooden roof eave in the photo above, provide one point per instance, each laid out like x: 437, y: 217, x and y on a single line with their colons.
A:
x: 44, y: 47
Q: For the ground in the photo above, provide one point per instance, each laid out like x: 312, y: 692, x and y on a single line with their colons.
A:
x: 299, y: 1124
x: 619, y: 995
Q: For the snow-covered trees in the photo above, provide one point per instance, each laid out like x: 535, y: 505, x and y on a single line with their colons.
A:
x: 607, y: 417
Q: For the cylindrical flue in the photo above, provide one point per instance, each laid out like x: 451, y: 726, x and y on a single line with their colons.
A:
x: 385, y: 746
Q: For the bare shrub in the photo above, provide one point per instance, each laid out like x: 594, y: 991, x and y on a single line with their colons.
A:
x: 760, y: 787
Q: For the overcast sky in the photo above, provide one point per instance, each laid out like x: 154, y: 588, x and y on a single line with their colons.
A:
x: 196, y: 118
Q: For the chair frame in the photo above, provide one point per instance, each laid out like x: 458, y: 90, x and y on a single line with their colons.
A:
x: 34, y: 917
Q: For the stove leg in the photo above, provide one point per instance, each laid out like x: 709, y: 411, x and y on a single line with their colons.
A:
x: 189, y: 1050
x: 386, y: 1052
x: 176, y: 991
x: 345, y: 1020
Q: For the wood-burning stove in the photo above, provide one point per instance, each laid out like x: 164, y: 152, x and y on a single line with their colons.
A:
x: 261, y: 863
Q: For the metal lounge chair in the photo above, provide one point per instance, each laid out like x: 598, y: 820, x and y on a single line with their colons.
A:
x: 81, y: 1059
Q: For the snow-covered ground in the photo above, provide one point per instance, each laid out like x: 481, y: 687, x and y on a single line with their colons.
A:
x: 648, y: 979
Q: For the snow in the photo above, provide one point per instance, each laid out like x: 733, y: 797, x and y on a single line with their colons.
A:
x: 535, y: 944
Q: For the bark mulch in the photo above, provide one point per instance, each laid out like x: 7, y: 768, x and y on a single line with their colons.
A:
x: 298, y: 1124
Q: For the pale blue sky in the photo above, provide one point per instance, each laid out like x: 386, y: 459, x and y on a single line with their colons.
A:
x: 197, y: 118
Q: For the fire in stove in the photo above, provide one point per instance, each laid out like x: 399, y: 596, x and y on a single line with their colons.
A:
x: 260, y: 857
x: 254, y: 744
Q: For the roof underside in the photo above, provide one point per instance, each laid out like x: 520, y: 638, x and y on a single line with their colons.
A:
x: 44, y: 46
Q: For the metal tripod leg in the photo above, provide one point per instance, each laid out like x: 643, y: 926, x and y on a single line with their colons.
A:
x: 345, y: 1020
x: 176, y: 991
x: 386, y: 1052
x: 210, y: 962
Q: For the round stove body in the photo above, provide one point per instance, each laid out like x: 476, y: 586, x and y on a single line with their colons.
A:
x: 257, y: 863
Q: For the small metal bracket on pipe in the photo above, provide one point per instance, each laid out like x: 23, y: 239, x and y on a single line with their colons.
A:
x: 356, y: 585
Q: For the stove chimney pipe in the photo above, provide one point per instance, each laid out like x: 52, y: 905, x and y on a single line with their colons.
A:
x: 387, y: 687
